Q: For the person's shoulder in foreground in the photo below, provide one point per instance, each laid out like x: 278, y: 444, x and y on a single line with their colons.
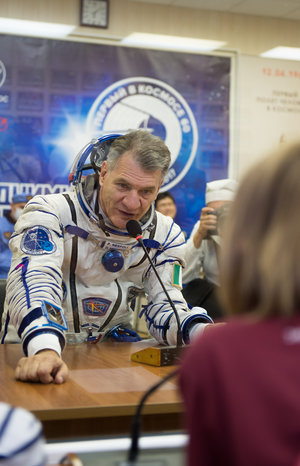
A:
x: 242, y: 403
x: 239, y: 382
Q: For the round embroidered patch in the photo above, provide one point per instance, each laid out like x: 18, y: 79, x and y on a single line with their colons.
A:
x: 37, y: 241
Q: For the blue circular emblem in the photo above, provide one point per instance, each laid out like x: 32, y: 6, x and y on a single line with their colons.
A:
x: 37, y: 241
x: 151, y: 104
x: 112, y: 260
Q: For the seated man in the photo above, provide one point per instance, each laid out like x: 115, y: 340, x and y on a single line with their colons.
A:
x: 75, y: 266
x: 201, y: 253
x: 7, y: 224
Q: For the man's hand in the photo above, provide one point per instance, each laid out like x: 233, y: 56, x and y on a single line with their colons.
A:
x: 207, y: 222
x: 45, y: 367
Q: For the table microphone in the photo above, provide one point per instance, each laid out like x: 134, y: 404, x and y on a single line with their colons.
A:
x: 158, y: 355
x: 136, y: 422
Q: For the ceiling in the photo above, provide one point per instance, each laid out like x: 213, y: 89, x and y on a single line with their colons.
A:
x: 284, y: 9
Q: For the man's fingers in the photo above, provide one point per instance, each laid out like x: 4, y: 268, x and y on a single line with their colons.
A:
x: 62, y: 374
x: 44, y: 367
x: 30, y: 369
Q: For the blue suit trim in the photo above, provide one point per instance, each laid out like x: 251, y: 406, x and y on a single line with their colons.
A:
x: 34, y: 314
x: 39, y: 331
x: 5, y: 328
x: 23, y: 265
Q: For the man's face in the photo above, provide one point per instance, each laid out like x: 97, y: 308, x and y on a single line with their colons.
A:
x: 167, y: 207
x: 127, y: 191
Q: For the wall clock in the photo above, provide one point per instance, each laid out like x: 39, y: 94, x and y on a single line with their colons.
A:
x: 94, y: 13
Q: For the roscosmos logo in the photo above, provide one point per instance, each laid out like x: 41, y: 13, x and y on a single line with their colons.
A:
x: 146, y: 103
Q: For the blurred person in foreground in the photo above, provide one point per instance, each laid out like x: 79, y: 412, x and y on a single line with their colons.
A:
x: 76, y: 269
x: 22, y: 441
x: 249, y: 371
x: 7, y: 225
x: 203, y: 248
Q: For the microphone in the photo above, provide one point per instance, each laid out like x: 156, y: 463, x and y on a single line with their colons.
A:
x: 164, y: 355
x: 136, y: 422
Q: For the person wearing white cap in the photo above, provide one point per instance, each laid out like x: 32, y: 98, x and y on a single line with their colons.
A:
x: 202, y: 248
x: 7, y: 224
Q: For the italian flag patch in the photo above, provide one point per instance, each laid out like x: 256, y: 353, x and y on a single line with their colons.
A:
x: 177, y: 275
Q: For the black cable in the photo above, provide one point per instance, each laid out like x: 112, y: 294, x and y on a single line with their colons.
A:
x: 136, y: 422
x: 134, y: 229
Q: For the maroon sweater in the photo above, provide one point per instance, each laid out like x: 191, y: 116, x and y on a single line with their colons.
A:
x: 241, y: 388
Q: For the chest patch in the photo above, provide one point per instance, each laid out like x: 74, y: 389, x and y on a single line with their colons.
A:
x: 38, y: 241
x: 95, y: 306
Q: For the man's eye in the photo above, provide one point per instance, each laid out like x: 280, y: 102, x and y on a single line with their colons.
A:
x: 122, y: 186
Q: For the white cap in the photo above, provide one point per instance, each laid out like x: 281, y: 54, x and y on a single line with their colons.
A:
x: 22, y: 441
x: 220, y: 190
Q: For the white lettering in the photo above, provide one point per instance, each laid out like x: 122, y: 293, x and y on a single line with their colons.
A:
x: 131, y: 89
x: 169, y: 176
x: 8, y: 190
x: 185, y: 124
x: 162, y: 95
x: 4, y: 98
x: 108, y: 103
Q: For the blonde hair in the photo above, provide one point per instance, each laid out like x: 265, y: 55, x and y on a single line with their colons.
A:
x: 260, y: 261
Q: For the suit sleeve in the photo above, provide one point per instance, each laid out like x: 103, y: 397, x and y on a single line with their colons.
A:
x: 34, y: 285
x: 193, y: 258
x: 160, y: 317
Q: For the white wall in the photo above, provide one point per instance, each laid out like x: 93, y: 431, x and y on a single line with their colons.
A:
x: 269, y: 107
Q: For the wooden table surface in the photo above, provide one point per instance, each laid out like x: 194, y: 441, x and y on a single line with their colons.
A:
x: 101, y: 395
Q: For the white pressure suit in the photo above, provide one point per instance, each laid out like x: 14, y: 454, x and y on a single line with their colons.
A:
x: 65, y: 266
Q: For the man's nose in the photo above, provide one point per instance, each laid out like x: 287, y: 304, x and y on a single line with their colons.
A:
x: 132, y: 200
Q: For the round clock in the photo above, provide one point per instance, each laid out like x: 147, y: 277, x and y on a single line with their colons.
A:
x: 94, y: 13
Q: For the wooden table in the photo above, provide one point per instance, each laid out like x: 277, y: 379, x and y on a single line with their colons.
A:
x: 101, y: 395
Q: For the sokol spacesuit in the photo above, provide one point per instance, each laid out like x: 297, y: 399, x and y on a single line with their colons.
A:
x: 74, y: 273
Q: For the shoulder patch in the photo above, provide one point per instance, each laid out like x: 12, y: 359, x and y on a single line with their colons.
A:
x: 95, y: 306
x: 38, y: 241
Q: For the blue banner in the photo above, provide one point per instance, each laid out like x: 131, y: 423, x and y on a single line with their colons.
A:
x: 55, y: 96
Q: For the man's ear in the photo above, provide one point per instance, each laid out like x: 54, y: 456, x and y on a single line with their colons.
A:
x: 103, y: 172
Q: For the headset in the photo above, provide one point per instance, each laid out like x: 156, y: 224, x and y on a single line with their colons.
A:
x: 97, y: 150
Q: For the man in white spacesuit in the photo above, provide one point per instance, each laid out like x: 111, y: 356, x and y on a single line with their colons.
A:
x: 75, y: 267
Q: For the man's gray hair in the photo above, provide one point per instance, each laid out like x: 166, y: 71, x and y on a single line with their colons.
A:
x: 148, y: 150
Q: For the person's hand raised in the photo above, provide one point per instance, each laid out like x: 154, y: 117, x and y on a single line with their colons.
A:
x: 208, y: 222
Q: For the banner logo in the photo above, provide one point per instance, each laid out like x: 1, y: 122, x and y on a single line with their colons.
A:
x: 146, y: 103
x: 2, y: 73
